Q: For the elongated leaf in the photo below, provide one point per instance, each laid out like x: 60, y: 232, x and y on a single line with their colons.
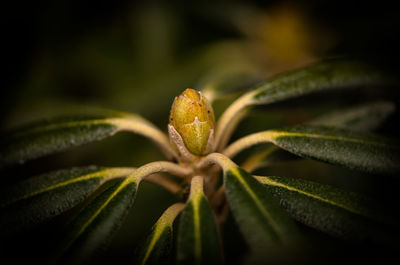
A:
x: 47, y: 137
x: 362, y: 152
x: 331, y: 74
x: 340, y: 147
x: 366, y: 117
x: 326, y: 75
x: 91, y: 230
x: 329, y: 209
x: 39, y: 198
x: 156, y: 249
x: 198, y: 241
x: 263, y: 223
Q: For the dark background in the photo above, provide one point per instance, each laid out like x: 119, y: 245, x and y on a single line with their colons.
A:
x: 40, y: 32
x: 137, y: 55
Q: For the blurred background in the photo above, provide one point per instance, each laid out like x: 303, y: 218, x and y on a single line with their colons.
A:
x: 129, y: 54
x: 136, y: 56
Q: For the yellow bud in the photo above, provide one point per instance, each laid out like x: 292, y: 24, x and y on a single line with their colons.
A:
x: 192, y: 117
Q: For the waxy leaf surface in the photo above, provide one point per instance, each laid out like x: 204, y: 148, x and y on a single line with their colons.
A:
x: 156, y: 249
x: 92, y: 228
x: 263, y: 223
x: 39, y: 198
x: 55, y: 135
x: 326, y: 75
x: 342, y: 147
x: 198, y: 238
x: 329, y: 209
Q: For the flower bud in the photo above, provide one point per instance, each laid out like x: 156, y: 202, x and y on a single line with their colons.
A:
x: 192, y: 117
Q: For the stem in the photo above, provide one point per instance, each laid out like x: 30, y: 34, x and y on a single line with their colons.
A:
x: 218, y: 197
x: 231, y: 128
x: 196, y: 187
x: 169, y: 215
x: 159, y: 166
x: 250, y: 140
x: 209, y: 93
x: 257, y: 160
x: 137, y: 124
x: 220, y: 205
x: 230, y: 118
x: 214, y: 173
x: 195, y: 196
x: 164, y: 182
x: 216, y: 158
x: 223, y: 214
x: 117, y: 172
x: 166, y: 220
x: 218, y: 201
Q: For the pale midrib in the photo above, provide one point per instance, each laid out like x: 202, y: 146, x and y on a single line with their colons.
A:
x: 257, y: 202
x: 145, y: 128
x: 137, y: 176
x: 157, y: 234
x: 104, y: 174
x: 329, y: 137
x: 272, y: 137
x: 129, y: 123
x: 163, y: 223
x: 104, y: 205
x: 229, y: 114
x: 195, y: 197
x: 196, y: 223
x: 268, y: 181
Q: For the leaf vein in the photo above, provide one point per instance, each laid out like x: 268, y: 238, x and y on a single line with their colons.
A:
x: 268, y: 181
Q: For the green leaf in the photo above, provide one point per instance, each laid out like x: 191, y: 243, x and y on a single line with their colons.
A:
x: 36, y: 199
x: 329, y: 209
x: 91, y: 230
x: 326, y: 75
x: 156, y: 249
x: 44, y: 138
x: 322, y: 76
x: 198, y: 239
x: 265, y: 226
x: 47, y: 137
x: 346, y: 148
x: 365, y: 117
